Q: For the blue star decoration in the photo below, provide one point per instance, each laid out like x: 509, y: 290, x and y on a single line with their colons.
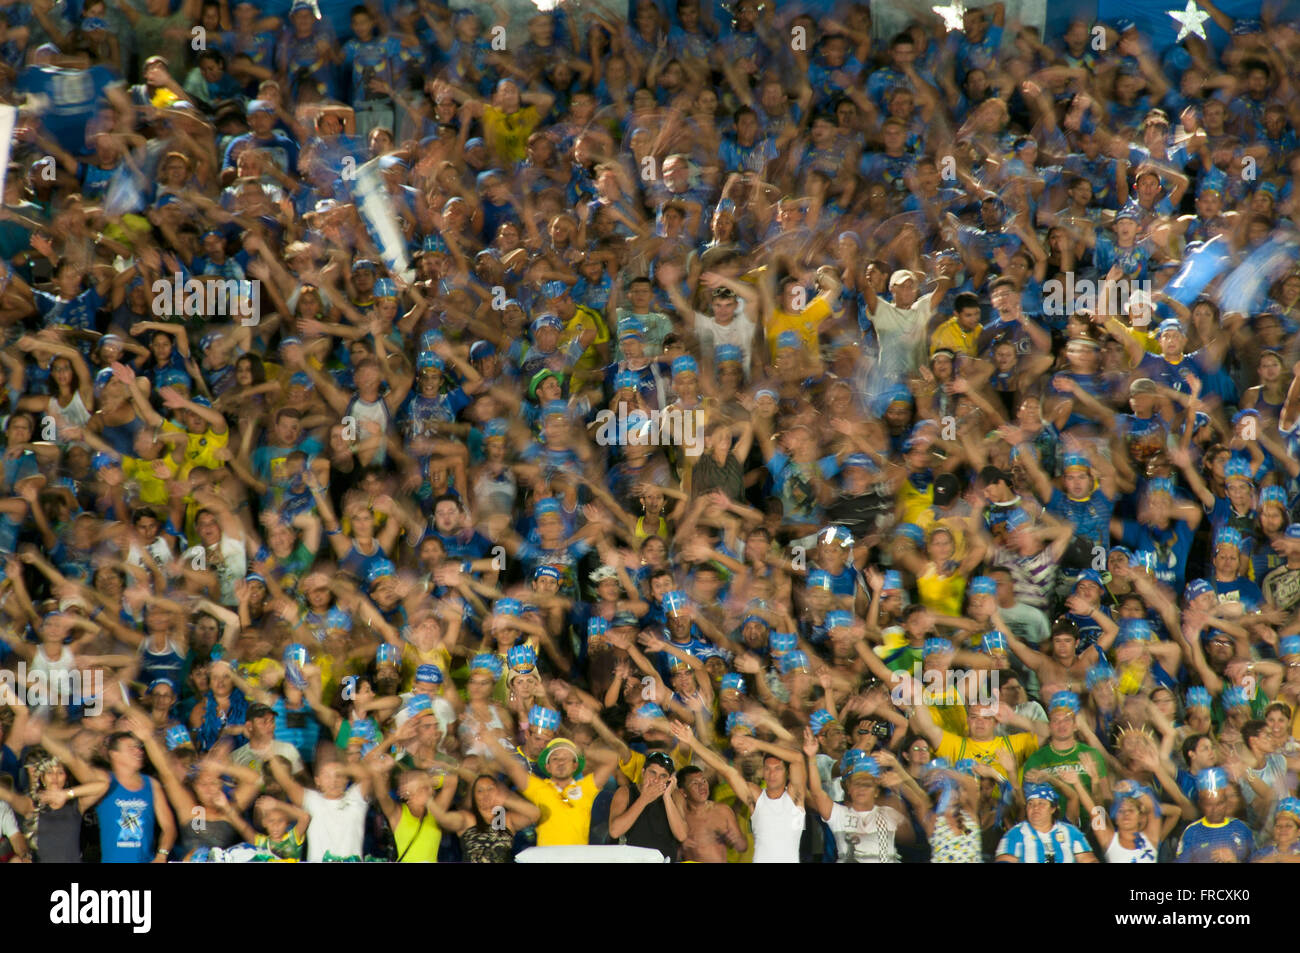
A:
x: 1190, y: 20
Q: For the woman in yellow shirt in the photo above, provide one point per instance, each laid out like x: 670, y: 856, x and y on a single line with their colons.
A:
x: 940, y: 579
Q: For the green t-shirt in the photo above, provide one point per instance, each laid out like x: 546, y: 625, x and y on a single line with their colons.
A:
x: 1049, y: 759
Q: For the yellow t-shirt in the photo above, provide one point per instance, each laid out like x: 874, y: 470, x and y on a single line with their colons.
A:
x: 913, y: 501
x: 200, y: 448
x: 941, y: 594
x: 955, y: 747
x: 805, y: 324
x: 588, y: 365
x: 1149, y: 340
x: 153, y: 490
x: 507, y: 134
x: 951, y: 335
x: 413, y: 658
x: 566, y: 811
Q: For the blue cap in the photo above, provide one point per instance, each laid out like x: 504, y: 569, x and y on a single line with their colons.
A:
x: 982, y: 586
x: 429, y: 674
x: 555, y: 408
x: 522, y: 658
x: 1123, y: 551
x: 1236, y: 469
x: 837, y: 536
x: 1098, y: 675
x: 734, y: 682
x: 385, y: 288
x: 544, y: 719
x: 1273, y: 494
x: 1077, y: 461
x: 1288, y: 645
x: 675, y: 602
x: 259, y: 106
x: 1227, y: 536
x: 507, y: 606
x: 481, y: 350
x: 379, y: 569
x: 547, y: 505
x: 893, y: 581
x: 685, y: 365
x: 779, y: 643
x: 1289, y: 805
x: 1293, y: 531
x: 1198, y: 696
x: 1160, y: 485
x: 1066, y: 700
x: 1242, y: 414
x: 860, y: 460
x: 650, y: 710
x: 555, y: 289
x: 201, y: 401
x: 101, y: 461
x: 1170, y: 324
x: 819, y: 579
x: 1212, y: 781
x: 910, y: 531
x: 547, y: 572
x: 1196, y: 588
x: 178, y: 736
x: 794, y: 662
x: 301, y: 379
x: 728, y: 354
x: 363, y: 264
x: 1040, y: 792
x: 488, y: 663
x: 766, y: 391
x: 388, y: 653
x: 1234, y: 696
x: 627, y: 380
x: 547, y: 320
x: 173, y: 377
x: 994, y: 643
x: 936, y: 646
x: 1089, y: 575
x: 839, y: 619
x: 856, y: 761
x: 819, y: 719
x: 739, y: 721
x: 1134, y: 630
x: 631, y: 328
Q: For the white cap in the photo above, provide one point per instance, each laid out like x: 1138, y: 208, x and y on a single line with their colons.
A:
x: 898, y: 277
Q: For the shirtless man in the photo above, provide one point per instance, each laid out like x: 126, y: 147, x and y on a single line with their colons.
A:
x: 1060, y: 667
x: 713, y: 826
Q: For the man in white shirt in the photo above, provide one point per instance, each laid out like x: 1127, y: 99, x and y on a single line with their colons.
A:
x: 903, y: 326
x: 337, y: 809
x: 262, y: 746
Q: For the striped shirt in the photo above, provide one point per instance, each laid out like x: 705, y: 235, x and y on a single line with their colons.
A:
x: 1034, y: 576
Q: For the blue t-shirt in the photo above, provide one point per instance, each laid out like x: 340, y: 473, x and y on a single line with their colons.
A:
x: 126, y: 824
x: 1171, y: 546
x: 1201, y: 839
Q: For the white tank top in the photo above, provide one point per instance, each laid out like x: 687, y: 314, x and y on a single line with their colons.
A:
x: 1143, y: 853
x: 778, y: 824
x: 52, y: 672
x: 73, y: 414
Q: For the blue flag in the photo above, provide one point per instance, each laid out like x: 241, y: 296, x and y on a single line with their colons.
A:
x: 1204, y: 262
x: 1246, y: 289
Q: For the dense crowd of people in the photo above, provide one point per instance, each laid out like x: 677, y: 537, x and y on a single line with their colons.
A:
x: 713, y: 428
